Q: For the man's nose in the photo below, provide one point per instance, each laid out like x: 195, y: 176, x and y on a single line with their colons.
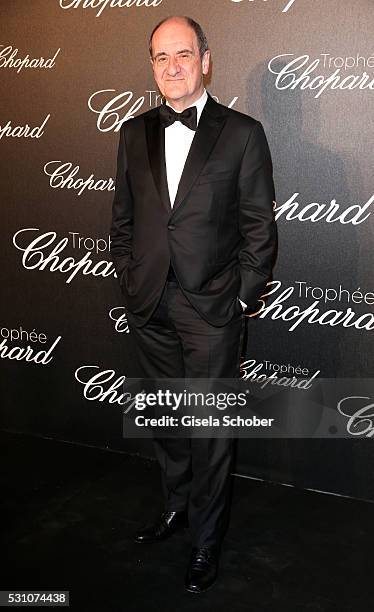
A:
x: 173, y: 67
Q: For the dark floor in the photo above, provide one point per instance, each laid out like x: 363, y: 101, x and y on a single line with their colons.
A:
x: 70, y: 512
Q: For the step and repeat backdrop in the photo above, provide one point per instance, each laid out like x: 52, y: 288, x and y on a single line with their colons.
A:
x: 72, y: 71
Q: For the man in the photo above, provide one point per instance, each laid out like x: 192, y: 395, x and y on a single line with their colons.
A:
x: 193, y: 239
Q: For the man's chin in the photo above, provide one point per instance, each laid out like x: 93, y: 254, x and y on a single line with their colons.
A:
x: 175, y: 91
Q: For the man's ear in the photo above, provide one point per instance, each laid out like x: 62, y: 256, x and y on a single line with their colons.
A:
x: 206, y: 61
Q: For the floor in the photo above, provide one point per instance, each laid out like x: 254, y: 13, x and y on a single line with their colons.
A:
x: 69, y: 513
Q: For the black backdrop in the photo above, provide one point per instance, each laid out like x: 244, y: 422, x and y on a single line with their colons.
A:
x: 72, y: 72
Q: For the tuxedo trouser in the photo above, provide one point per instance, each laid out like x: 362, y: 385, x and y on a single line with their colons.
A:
x: 177, y: 342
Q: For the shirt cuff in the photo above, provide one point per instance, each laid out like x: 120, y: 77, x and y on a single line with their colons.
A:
x: 244, y: 305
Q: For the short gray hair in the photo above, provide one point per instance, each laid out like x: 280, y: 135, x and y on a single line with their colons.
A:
x: 200, y: 35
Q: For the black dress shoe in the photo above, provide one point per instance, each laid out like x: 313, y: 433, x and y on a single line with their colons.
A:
x: 166, y: 525
x: 202, y: 570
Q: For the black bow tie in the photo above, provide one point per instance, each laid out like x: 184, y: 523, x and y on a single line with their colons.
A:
x: 189, y: 116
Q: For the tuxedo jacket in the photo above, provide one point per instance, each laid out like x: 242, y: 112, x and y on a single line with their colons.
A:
x: 220, y: 234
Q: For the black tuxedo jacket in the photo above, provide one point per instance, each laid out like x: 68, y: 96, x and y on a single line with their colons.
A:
x: 220, y: 235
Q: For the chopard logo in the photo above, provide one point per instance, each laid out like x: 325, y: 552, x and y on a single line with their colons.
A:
x: 302, y: 72
x: 360, y: 420
x: 23, y: 131
x: 332, y: 212
x: 103, y: 386
x: 63, y: 176
x: 46, y: 252
x: 30, y: 353
x: 113, y: 110
x: 103, y: 4
x: 118, y: 315
x: 285, y: 9
x: 9, y: 59
x: 250, y: 371
x: 278, y: 308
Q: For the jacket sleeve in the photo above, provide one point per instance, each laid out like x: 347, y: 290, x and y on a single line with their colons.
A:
x: 122, y: 212
x: 256, y: 217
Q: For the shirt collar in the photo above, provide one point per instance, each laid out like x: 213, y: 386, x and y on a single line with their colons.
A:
x: 200, y: 103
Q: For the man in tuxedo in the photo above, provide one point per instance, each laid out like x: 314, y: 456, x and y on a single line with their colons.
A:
x: 193, y: 240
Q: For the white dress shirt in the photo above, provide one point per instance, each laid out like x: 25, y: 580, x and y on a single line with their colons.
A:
x: 178, y: 140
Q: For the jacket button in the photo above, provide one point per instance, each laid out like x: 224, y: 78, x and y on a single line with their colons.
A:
x: 171, y: 226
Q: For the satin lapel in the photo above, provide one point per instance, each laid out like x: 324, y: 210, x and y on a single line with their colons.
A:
x: 156, y: 153
x: 207, y: 133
